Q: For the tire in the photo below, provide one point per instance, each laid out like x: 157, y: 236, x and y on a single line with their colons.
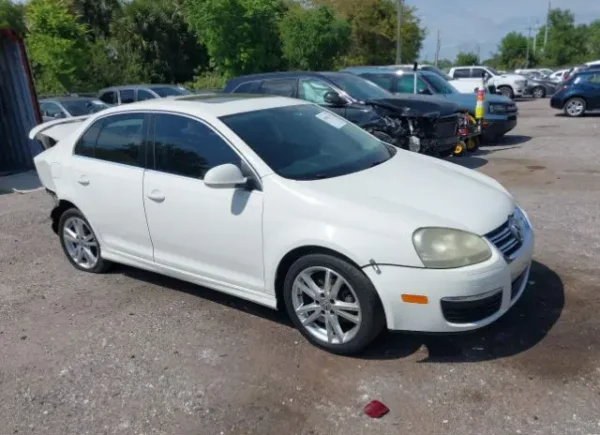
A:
x: 507, y: 92
x: 472, y: 144
x: 355, y: 290
x: 460, y: 149
x: 79, y: 243
x: 538, y: 92
x: 570, y: 107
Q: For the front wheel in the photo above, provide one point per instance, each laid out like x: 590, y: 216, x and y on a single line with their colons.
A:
x: 333, y: 304
x: 507, y: 92
x: 539, y: 92
x: 575, y: 107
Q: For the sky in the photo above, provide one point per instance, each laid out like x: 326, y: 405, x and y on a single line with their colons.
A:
x: 465, y: 23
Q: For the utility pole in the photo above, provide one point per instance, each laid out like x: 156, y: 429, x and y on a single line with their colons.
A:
x: 527, y: 55
x: 437, y: 48
x: 547, y: 24
x: 535, y: 32
x: 478, y: 52
x: 398, y: 34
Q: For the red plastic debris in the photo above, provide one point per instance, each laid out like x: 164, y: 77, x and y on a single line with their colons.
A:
x: 376, y: 409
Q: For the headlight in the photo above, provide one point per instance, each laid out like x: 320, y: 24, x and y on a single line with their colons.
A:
x: 497, y: 108
x: 446, y: 248
x: 522, y: 218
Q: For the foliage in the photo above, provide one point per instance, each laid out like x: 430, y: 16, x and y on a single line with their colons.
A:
x: 373, y: 25
x: 97, y: 15
x: 444, y: 64
x: 56, y: 44
x: 312, y: 39
x: 153, y: 36
x: 207, y: 81
x: 11, y: 16
x: 494, y: 61
x: 513, y: 51
x: 466, y: 58
x: 593, y: 39
x: 242, y: 36
x: 566, y: 42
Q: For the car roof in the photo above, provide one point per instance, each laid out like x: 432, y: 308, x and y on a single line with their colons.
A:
x: 395, y: 70
x: 208, y: 106
x: 139, y: 86
x: 275, y: 75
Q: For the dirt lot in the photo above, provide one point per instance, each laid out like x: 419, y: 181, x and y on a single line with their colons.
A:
x: 135, y: 353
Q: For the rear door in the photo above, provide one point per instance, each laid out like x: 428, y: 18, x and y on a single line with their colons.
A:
x: 107, y: 173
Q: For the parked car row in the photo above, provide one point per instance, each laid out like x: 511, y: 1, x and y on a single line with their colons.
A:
x: 283, y: 202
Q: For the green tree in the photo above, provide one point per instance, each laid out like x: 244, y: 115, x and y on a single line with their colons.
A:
x: 12, y: 16
x: 464, y: 58
x: 493, y: 61
x: 444, y: 64
x: 57, y: 46
x: 593, y: 39
x: 374, y: 30
x: 566, y: 42
x: 96, y: 15
x: 513, y: 51
x: 151, y: 39
x: 313, y: 38
x: 241, y: 36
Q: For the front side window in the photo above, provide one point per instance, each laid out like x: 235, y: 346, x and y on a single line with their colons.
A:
x: 127, y: 96
x: 478, y: 73
x: 406, y: 84
x: 595, y: 79
x: 306, y: 142
x: 51, y: 109
x: 281, y: 87
x: 357, y: 87
x: 247, y: 88
x: 183, y: 146
x: 386, y: 81
x: 313, y: 90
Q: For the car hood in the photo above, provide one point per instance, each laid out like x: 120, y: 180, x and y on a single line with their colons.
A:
x: 469, y: 101
x: 418, y: 105
x: 411, y: 191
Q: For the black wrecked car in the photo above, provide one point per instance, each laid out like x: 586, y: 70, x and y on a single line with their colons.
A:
x: 424, y: 124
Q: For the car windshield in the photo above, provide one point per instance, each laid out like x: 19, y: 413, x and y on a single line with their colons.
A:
x: 83, y: 107
x: 358, y: 88
x: 307, y: 142
x: 440, y: 85
x: 436, y: 70
x: 170, y: 91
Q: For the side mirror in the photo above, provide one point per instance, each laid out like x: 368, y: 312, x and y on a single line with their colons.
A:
x: 425, y: 91
x: 334, y: 99
x: 227, y: 175
x: 59, y: 115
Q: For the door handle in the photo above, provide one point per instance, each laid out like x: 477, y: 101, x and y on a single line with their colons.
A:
x: 83, y: 180
x: 156, y: 196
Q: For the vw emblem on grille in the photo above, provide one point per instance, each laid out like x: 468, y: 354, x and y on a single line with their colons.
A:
x: 515, y: 228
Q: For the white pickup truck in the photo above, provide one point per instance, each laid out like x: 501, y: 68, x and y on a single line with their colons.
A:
x: 467, y: 78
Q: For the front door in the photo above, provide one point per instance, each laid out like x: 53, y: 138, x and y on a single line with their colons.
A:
x: 212, y: 233
x: 107, y: 183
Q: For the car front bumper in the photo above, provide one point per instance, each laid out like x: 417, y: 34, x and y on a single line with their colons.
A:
x: 496, y: 128
x: 481, y: 292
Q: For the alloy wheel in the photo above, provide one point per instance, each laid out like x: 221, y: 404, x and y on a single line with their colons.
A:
x: 575, y: 108
x: 326, y: 305
x: 80, y: 243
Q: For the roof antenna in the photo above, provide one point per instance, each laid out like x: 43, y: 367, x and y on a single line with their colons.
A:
x: 415, y: 66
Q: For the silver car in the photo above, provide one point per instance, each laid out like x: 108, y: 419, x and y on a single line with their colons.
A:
x: 126, y: 94
x: 68, y: 107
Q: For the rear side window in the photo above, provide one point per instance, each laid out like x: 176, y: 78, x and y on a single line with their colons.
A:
x: 461, y: 73
x: 183, y: 146
x: 144, y: 95
x: 109, y: 97
x: 127, y: 96
x: 247, y: 88
x: 116, y: 139
x: 386, y: 81
x: 282, y: 87
x: 595, y: 78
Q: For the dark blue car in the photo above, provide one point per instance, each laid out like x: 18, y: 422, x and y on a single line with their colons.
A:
x: 579, y: 94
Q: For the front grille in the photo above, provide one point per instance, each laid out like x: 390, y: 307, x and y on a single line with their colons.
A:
x: 516, y: 285
x: 468, y: 311
x: 446, y: 126
x: 511, y: 108
x: 503, y: 239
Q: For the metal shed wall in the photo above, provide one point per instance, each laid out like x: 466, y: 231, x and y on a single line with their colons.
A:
x: 19, y: 111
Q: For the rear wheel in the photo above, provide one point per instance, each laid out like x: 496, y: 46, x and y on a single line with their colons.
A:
x: 575, y: 107
x: 472, y: 144
x: 539, y: 92
x: 460, y: 149
x: 507, y: 92
x: 80, y: 244
x: 333, y: 304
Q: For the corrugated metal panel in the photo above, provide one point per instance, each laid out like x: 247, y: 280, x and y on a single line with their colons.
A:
x: 18, y: 114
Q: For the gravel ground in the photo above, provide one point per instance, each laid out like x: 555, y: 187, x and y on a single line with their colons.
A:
x: 135, y: 353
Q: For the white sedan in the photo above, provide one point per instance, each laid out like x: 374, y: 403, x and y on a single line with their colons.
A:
x: 286, y: 204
